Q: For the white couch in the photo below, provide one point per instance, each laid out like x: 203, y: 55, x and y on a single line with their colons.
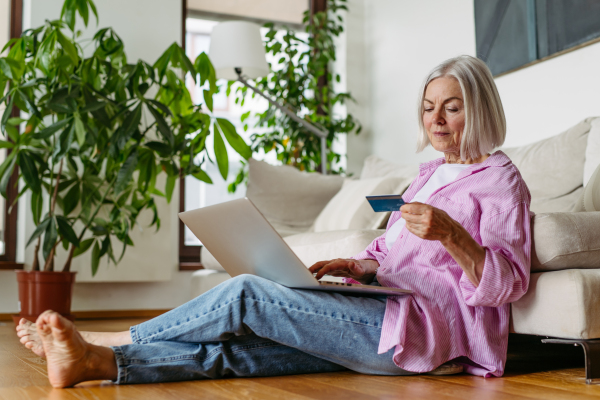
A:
x: 325, y: 217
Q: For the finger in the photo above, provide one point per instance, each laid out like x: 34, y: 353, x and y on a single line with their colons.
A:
x: 336, y: 265
x: 318, y: 265
x: 415, y: 208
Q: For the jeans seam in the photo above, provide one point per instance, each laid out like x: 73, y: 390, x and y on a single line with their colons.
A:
x: 308, y: 312
x: 211, y: 354
x: 148, y: 338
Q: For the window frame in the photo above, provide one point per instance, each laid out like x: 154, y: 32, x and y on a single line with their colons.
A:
x: 8, y: 259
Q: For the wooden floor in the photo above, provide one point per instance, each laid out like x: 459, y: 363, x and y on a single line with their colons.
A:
x: 534, y: 371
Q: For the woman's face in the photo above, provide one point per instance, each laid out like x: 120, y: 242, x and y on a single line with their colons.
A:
x: 444, y: 115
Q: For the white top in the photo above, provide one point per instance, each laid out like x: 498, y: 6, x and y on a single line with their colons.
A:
x: 442, y: 176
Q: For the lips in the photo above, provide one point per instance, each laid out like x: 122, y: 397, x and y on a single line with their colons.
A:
x: 441, y: 134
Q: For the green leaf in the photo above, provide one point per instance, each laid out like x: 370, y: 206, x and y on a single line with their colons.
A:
x: 29, y: 171
x: 7, y: 112
x: 68, y: 12
x: 37, y: 203
x: 186, y: 64
x: 132, y: 121
x: 83, y: 247
x: 162, y: 125
x: 5, y: 68
x: 6, y: 145
x: 234, y: 140
x: 6, y: 169
x: 126, y: 172
x: 64, y: 144
x: 96, y: 105
x: 79, y: 130
x: 50, y: 237
x: 66, y: 230
x: 49, y: 131
x: 93, y: 7
x: 95, y: 258
x: 30, y: 104
x: 68, y: 46
x: 71, y: 199
x: 38, y: 231
x: 83, y: 11
x: 170, y: 186
x: 161, y: 148
x: 208, y: 99
x: 202, y: 176
x: 221, y: 154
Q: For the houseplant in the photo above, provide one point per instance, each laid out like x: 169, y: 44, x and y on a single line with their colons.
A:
x: 302, y: 78
x: 94, y: 134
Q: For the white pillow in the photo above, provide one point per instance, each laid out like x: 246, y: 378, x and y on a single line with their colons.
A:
x: 592, y: 151
x: 591, y: 192
x: 288, y: 198
x: 350, y: 210
x: 375, y: 167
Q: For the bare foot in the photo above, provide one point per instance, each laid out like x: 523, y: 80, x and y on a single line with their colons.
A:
x: 27, y: 332
x: 71, y: 359
x: 107, y: 338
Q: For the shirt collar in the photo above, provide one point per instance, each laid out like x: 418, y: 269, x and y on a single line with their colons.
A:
x: 496, y: 159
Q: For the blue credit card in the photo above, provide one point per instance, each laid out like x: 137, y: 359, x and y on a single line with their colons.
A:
x: 386, y: 202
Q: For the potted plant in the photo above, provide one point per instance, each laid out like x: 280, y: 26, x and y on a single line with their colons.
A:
x: 302, y: 77
x: 92, y: 137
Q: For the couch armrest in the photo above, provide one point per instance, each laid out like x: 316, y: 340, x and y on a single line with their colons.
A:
x: 565, y: 241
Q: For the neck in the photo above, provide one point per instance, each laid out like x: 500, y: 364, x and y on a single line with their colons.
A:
x: 454, y: 158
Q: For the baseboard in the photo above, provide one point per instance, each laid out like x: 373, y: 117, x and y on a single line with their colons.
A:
x: 109, y: 314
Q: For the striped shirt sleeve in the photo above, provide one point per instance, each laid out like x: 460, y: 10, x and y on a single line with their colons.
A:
x: 506, y: 237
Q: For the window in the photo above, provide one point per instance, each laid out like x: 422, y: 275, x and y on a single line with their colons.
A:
x: 194, y: 193
x: 11, y: 25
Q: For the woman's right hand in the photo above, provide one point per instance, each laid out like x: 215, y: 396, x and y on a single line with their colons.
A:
x: 362, y: 271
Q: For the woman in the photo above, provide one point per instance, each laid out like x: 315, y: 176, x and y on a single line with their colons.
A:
x: 462, y: 244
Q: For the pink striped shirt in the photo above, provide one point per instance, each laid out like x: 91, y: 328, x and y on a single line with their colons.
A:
x: 447, y: 316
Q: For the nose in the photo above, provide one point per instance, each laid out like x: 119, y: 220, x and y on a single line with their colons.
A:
x: 436, y: 118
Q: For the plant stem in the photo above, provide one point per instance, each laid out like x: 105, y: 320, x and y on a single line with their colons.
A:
x: 49, y: 265
x: 67, y: 266
x: 36, y: 262
x: 50, y: 260
x: 55, y: 194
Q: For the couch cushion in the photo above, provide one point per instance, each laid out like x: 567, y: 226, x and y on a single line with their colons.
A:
x: 553, y: 168
x: 562, y: 304
x: 591, y: 193
x: 592, y: 152
x: 566, y: 240
x: 375, y: 167
x: 319, y: 246
x: 349, y: 209
x: 288, y: 198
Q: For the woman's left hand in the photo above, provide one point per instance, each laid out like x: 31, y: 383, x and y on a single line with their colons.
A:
x: 428, y: 222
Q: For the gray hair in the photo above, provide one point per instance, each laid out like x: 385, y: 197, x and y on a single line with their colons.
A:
x: 485, y: 124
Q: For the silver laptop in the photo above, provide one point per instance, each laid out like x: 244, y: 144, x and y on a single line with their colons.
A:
x: 244, y: 242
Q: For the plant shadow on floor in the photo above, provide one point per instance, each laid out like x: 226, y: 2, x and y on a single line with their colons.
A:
x: 527, y: 354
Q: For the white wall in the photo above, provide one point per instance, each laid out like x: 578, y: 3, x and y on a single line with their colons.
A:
x: 392, y: 44
x: 545, y: 99
x: 147, y: 27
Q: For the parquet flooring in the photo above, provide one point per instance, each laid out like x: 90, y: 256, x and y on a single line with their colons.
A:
x: 534, y: 371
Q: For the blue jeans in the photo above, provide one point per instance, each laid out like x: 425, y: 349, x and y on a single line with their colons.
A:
x: 250, y: 326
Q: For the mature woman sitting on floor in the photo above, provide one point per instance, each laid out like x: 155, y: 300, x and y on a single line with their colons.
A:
x: 462, y: 245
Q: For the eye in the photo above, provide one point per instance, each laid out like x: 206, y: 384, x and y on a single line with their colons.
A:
x: 452, y: 109
x: 428, y: 109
